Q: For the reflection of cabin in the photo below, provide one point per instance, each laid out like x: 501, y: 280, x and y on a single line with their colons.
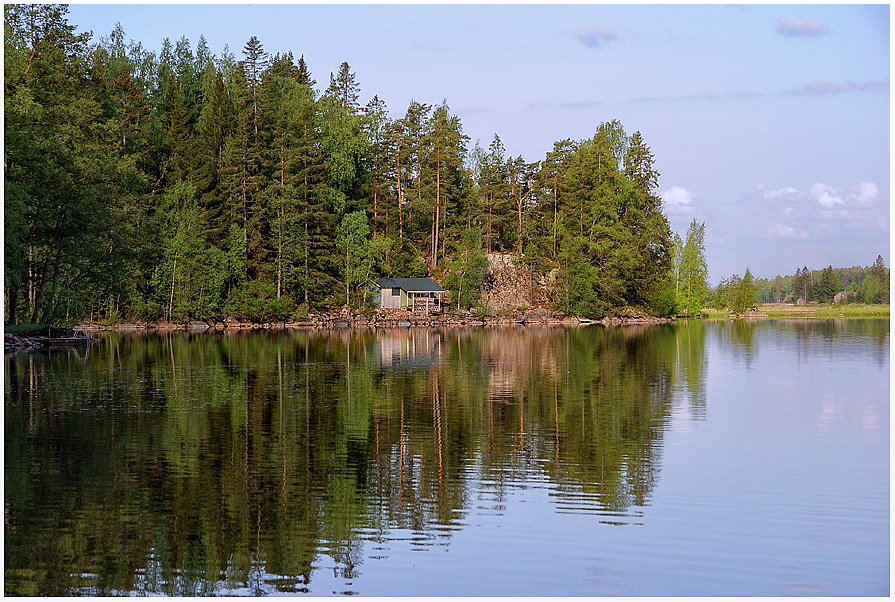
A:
x: 412, y: 348
x: 422, y: 295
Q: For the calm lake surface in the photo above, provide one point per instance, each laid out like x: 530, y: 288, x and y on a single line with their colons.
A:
x: 699, y: 458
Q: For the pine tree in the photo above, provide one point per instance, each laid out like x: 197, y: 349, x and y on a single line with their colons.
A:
x: 551, y: 177
x: 178, y: 138
x: 376, y: 126
x: 445, y: 151
x: 255, y: 62
x: 344, y: 88
x: 303, y: 75
x: 802, y: 285
x: 828, y: 286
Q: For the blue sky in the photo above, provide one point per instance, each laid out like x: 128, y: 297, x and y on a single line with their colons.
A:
x: 770, y: 123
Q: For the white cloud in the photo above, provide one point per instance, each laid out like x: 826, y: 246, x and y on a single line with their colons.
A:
x: 788, y: 192
x: 677, y: 200
x: 826, y: 195
x: 861, y: 194
x: 783, y: 231
x: 864, y: 193
x: 793, y: 28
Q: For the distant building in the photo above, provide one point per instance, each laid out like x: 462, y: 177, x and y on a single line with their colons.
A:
x: 421, y: 295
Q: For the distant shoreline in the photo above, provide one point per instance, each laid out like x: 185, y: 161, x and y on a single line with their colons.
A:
x: 786, y: 310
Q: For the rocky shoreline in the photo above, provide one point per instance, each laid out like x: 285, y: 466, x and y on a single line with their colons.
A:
x: 386, y: 319
x: 47, y: 337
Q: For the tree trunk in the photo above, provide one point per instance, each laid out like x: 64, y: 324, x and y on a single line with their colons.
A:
x: 48, y: 311
x: 38, y: 297
x: 400, y: 195
x: 554, y: 216
x: 490, y: 197
x: 347, y: 271
x: 12, y: 302
x: 282, y: 225
x: 437, y: 205
x: 375, y: 205
x: 280, y: 254
x: 306, y: 260
x: 173, y: 277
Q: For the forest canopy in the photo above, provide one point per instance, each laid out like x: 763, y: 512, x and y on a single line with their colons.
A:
x: 186, y: 185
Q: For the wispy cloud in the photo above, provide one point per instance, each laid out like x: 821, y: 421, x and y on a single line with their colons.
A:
x: 787, y: 192
x: 873, y: 85
x: 677, y: 201
x: 784, y: 231
x: 821, y: 88
x: 593, y: 36
x: 862, y: 194
x: 700, y: 97
x: 793, y: 28
x: 571, y: 104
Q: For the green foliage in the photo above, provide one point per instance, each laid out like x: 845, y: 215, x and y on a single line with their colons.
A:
x: 692, y: 271
x: 67, y: 177
x: 741, y: 293
x: 179, y: 185
x: 828, y: 286
x: 256, y: 300
x: 875, y: 288
x: 354, y: 243
x: 822, y: 285
x: 468, y: 270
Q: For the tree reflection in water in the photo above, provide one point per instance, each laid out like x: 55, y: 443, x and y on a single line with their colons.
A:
x: 239, y: 463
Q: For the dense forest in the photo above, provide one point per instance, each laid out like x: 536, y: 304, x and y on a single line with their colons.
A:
x: 186, y: 185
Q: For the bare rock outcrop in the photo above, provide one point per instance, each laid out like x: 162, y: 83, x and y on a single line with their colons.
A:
x: 511, y: 285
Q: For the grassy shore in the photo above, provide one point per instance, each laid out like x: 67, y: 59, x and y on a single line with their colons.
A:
x: 22, y: 329
x: 782, y: 310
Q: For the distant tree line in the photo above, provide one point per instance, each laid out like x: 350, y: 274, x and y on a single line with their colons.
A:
x: 859, y: 284
x: 186, y: 185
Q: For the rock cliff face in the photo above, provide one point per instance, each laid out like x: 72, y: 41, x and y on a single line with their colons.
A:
x: 512, y: 286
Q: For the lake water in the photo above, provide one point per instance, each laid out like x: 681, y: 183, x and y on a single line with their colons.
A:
x: 698, y: 458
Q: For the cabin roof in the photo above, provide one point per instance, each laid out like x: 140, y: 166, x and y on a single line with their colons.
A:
x: 414, y: 285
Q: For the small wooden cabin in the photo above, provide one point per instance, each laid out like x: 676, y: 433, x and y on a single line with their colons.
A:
x: 421, y: 295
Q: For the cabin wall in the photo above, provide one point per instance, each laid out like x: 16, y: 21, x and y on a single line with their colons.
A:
x: 389, y: 300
